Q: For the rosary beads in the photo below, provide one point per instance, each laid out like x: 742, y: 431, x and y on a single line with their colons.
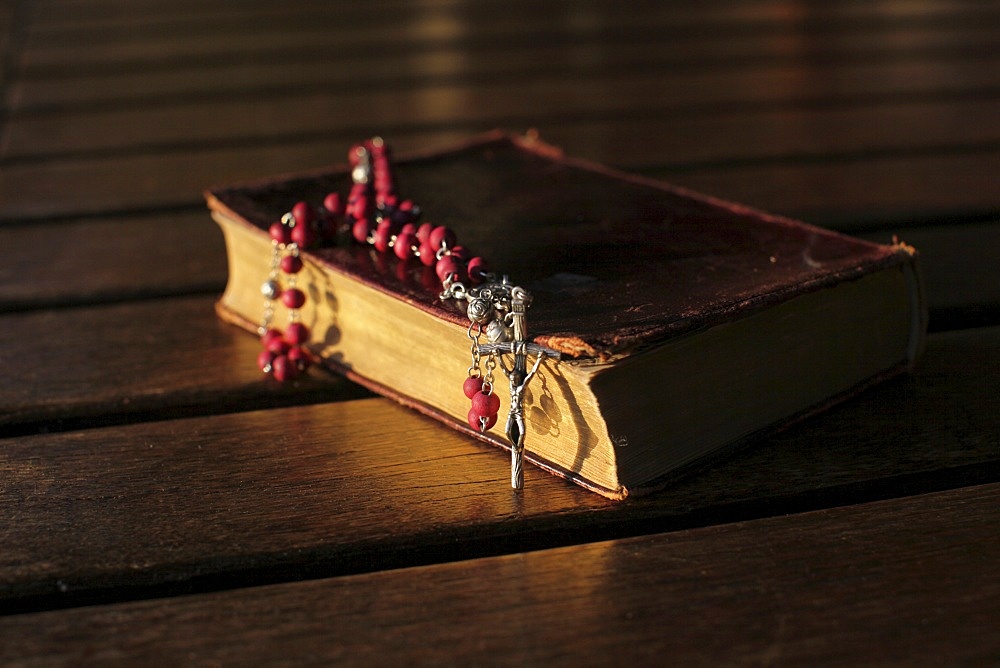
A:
x: 374, y: 215
x: 283, y: 355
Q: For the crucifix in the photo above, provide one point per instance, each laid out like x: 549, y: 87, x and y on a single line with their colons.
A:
x: 507, y: 330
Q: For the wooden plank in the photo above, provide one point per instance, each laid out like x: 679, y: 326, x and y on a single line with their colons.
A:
x: 105, y: 19
x: 907, y: 581
x: 285, y: 494
x: 706, y: 78
x: 845, y: 191
x: 167, y: 180
x: 142, y: 360
x: 685, y: 42
x: 858, y: 191
x: 111, y: 259
x: 10, y: 43
x: 694, y: 125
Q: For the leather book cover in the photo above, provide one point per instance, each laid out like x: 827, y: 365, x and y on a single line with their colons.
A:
x: 615, y: 262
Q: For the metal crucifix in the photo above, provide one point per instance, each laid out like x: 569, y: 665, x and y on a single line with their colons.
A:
x: 518, y: 376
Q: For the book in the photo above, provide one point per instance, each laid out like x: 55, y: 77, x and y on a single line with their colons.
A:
x: 687, y: 326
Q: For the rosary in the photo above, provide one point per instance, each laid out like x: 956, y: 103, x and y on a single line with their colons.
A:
x: 373, y: 214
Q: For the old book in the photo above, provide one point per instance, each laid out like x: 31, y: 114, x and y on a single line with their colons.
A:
x: 687, y: 326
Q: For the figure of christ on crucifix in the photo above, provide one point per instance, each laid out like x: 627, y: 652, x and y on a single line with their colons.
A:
x: 519, y: 377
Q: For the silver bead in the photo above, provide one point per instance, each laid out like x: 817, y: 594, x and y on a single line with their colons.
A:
x: 480, y: 311
x: 497, y: 332
x: 270, y: 289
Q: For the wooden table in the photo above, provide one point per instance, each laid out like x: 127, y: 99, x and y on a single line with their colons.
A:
x: 162, y: 503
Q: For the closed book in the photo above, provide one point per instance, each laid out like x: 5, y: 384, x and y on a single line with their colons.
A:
x: 687, y: 326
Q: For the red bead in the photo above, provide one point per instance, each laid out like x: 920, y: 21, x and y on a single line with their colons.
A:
x: 441, y: 235
x: 424, y: 232
x: 265, y: 360
x: 359, y: 207
x: 403, y: 248
x: 299, y: 359
x: 303, y: 214
x: 428, y: 255
x: 283, y: 369
x: 485, y: 404
x: 447, y: 266
x: 269, y: 336
x: 481, y: 422
x: 297, y: 334
x: 293, y: 298
x: 461, y: 252
x: 291, y: 264
x: 382, y: 235
x: 280, y: 233
x: 334, y: 204
x: 303, y: 235
x: 357, y: 190
x: 278, y: 346
x: 360, y: 231
x: 472, y: 386
x: 409, y: 228
x: 477, y: 269
x: 406, y: 205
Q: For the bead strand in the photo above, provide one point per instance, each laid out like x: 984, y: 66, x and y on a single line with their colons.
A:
x: 283, y: 355
x: 372, y: 215
x: 434, y: 246
x: 377, y: 217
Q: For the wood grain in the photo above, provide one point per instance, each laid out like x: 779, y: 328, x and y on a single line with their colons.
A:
x: 756, y: 96
x: 684, y: 43
x: 153, y: 359
x: 475, y: 23
x: 907, y: 581
x: 111, y: 259
x: 859, y: 191
x: 7, y: 35
x: 697, y: 80
x: 734, y: 128
x: 231, y: 500
x: 166, y: 179
x: 846, y: 191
